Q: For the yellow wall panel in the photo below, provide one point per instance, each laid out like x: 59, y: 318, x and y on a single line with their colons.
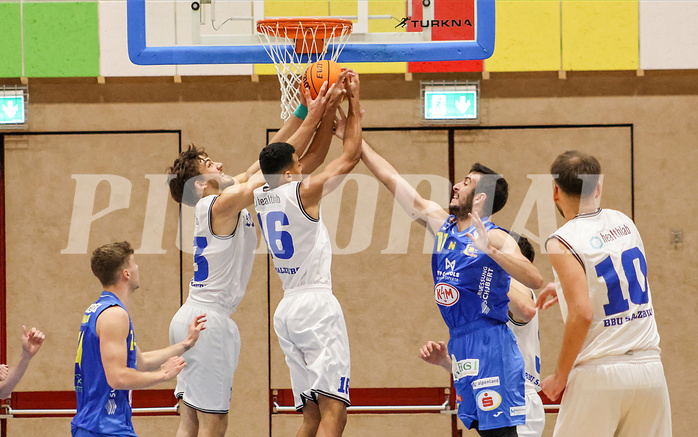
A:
x: 527, y: 36
x: 293, y: 8
x: 600, y: 35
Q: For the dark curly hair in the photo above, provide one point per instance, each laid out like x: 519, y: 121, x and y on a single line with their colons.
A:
x: 183, y: 171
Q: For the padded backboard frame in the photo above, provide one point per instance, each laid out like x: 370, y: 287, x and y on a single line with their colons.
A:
x: 481, y: 48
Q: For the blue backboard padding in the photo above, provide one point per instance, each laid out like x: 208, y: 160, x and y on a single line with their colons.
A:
x: 140, y: 54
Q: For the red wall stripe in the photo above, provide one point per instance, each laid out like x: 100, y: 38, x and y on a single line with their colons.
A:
x: 446, y: 10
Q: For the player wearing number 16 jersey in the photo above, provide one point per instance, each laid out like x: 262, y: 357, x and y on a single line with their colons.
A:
x: 309, y: 320
x: 224, y: 245
x: 609, y: 359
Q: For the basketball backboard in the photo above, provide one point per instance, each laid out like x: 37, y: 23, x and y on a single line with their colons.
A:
x: 224, y: 31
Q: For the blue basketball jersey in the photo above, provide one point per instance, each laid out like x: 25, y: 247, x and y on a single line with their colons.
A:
x: 468, y: 285
x: 101, y: 409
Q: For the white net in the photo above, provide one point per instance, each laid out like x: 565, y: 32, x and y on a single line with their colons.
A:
x: 293, y: 46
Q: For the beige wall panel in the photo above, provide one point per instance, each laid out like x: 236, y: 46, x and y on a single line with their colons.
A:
x: 230, y: 117
x: 49, y: 288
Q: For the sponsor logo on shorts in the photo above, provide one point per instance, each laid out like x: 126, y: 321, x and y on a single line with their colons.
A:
x: 445, y: 295
x: 488, y: 400
x: 517, y: 411
x: 497, y: 414
x: 459, y: 398
x: 486, y: 382
x: 463, y: 368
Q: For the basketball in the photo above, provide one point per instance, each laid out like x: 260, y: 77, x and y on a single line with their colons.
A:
x: 319, y: 73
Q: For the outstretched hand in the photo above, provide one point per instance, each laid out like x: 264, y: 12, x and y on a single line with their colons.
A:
x: 482, y: 240
x: 434, y: 353
x: 32, y: 341
x: 172, y: 367
x: 548, y: 291
x: 195, y: 327
x: 316, y: 107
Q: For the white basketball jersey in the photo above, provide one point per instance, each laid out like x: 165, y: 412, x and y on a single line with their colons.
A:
x: 609, y: 247
x: 222, y: 264
x: 299, y: 244
x: 529, y: 344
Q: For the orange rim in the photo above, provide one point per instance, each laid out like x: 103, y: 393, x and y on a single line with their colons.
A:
x: 295, y: 28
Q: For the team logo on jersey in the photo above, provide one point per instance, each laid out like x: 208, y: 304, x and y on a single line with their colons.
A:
x: 470, y: 250
x: 488, y: 400
x: 463, y: 368
x: 445, y: 294
x: 596, y: 242
x: 450, y: 264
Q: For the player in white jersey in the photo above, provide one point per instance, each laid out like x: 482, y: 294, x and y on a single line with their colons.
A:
x: 523, y: 322
x: 609, y: 361
x: 224, y: 245
x: 309, y: 320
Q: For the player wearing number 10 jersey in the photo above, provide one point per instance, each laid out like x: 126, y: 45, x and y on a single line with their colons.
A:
x: 609, y: 359
x: 224, y: 244
x: 309, y: 321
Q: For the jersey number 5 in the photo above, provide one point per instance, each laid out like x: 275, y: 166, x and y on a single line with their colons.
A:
x: 280, y: 242
x: 617, y: 303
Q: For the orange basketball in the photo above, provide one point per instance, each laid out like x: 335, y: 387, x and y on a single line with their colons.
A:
x: 319, y: 73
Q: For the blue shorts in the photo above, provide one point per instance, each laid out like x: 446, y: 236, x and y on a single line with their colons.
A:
x: 81, y: 432
x: 488, y: 374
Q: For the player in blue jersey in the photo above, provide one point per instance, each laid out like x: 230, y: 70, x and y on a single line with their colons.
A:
x: 472, y: 262
x: 109, y: 363
x: 523, y: 321
x: 9, y: 377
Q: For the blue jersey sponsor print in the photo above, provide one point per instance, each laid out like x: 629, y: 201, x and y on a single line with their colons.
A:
x: 101, y: 409
x: 468, y: 285
x: 471, y: 289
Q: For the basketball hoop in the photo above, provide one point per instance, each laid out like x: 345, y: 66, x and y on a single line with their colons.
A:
x: 295, y: 43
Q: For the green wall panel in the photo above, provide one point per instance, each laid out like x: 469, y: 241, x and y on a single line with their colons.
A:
x: 61, y: 39
x: 11, y: 47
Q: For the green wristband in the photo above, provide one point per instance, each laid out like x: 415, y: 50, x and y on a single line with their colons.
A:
x: 301, y: 111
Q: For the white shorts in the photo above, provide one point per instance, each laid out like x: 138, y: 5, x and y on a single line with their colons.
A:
x: 623, y: 398
x: 207, y: 381
x: 313, y: 335
x: 535, y: 416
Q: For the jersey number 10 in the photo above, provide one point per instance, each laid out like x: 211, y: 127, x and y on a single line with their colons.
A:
x: 617, y: 303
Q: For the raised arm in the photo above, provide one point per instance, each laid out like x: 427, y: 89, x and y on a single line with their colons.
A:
x: 31, y: 342
x: 425, y: 211
x: 112, y: 330
x: 296, y: 131
x: 579, y: 315
x: 313, y: 188
x: 317, y: 152
x: 147, y: 361
x: 502, y: 248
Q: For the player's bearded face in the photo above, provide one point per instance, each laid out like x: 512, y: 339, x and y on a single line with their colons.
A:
x: 463, y: 208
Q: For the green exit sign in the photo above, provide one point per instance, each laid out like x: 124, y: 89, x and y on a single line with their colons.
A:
x: 12, y: 111
x: 450, y: 102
